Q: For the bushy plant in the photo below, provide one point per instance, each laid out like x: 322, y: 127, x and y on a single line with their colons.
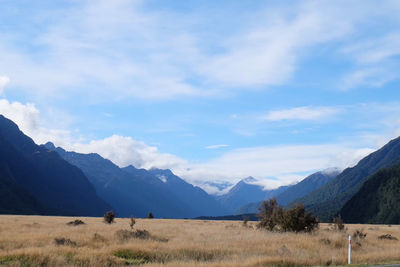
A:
x: 76, y: 222
x: 124, y: 235
x: 359, y: 234
x: 132, y: 222
x: 61, y: 241
x: 338, y: 224
x: 294, y: 219
x: 109, y: 217
x: 270, y: 214
x: 245, y: 221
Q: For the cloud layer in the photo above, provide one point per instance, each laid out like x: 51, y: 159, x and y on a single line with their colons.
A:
x: 122, y: 49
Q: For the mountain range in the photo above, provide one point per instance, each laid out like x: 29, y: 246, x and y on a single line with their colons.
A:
x: 39, y: 181
x: 48, y: 180
x: 136, y: 192
x: 327, y: 201
x: 244, y: 192
x: 287, y: 194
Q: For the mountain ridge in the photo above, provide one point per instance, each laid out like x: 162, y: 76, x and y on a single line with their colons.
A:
x: 377, y: 201
x: 58, y: 187
x: 136, y: 192
x: 327, y: 201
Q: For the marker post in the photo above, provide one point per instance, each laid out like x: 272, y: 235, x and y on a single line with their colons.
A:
x: 349, y: 249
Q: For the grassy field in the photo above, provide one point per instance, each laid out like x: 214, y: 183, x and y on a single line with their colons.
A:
x: 31, y: 241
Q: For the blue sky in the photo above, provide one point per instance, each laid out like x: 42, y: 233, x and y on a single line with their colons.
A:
x: 215, y: 90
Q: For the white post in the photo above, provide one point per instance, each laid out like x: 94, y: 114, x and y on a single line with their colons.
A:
x: 349, y: 249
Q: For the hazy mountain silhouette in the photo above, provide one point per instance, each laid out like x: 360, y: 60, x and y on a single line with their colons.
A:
x: 245, y: 192
x: 136, y: 192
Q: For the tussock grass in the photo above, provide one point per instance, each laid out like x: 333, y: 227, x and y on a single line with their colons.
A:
x: 30, y: 241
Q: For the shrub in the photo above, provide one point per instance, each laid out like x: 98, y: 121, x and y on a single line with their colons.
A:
x: 150, y: 216
x: 294, y: 219
x: 270, y: 214
x: 338, y: 223
x: 245, y: 221
x: 124, y: 235
x: 388, y: 237
x: 132, y: 222
x: 64, y: 242
x: 109, y: 217
x: 359, y: 234
x: 75, y: 223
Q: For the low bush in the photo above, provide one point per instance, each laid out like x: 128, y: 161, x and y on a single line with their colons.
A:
x: 338, y: 224
x: 64, y: 242
x: 109, y: 217
x: 132, y: 222
x: 270, y: 214
x: 359, y: 235
x: 245, y: 221
x: 76, y: 223
x: 387, y: 237
x: 125, y: 235
x: 295, y: 219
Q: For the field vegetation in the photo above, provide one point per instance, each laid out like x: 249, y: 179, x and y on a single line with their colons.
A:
x: 51, y: 241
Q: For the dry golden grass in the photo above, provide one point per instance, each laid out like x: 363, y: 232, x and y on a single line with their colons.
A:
x: 30, y: 241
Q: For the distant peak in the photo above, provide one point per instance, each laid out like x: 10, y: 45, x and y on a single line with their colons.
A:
x: 130, y: 167
x: 249, y: 179
x: 50, y: 146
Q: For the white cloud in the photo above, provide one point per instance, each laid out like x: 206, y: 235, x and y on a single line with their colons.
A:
x: 301, y: 113
x: 4, y: 80
x: 269, y: 53
x: 111, y: 50
x: 376, y: 61
x: 368, y: 77
x: 121, y: 150
x: 28, y: 118
x: 102, y: 49
x: 125, y: 151
x: 216, y: 146
x: 375, y: 50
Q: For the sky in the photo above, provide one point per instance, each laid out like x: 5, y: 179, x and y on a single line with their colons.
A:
x: 214, y: 90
